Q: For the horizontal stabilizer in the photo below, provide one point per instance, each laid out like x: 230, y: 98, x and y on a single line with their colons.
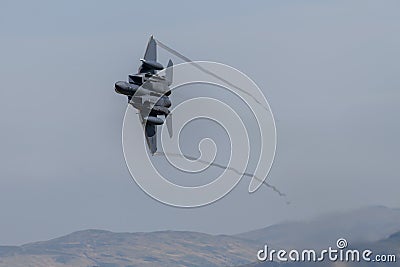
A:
x: 151, y: 137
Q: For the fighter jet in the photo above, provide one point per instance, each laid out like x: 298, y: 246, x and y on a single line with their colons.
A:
x: 148, y: 92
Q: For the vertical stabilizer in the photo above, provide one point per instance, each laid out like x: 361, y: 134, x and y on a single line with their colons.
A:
x: 151, y: 50
x: 169, y: 72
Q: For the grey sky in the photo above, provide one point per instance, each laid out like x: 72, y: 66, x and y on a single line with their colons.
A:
x: 329, y: 70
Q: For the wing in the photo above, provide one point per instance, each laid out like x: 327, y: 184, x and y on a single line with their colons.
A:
x: 150, y: 132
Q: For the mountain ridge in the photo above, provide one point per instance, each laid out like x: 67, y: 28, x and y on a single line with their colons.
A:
x: 366, y: 224
x: 96, y: 247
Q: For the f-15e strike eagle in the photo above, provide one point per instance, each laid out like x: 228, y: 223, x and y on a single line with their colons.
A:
x: 148, y: 92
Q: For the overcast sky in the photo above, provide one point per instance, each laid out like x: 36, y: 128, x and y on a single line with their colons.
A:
x: 329, y: 69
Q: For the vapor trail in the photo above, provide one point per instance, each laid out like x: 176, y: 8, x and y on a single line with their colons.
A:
x: 276, y: 190
x: 186, y: 59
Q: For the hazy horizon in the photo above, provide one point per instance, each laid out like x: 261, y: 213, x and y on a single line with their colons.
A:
x: 320, y: 217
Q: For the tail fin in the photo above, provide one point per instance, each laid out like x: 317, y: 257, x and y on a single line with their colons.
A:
x: 169, y: 72
x: 149, y: 62
x: 151, y: 50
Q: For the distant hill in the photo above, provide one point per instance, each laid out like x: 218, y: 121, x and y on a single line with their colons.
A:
x: 108, y: 249
x: 362, y: 225
x: 376, y: 228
